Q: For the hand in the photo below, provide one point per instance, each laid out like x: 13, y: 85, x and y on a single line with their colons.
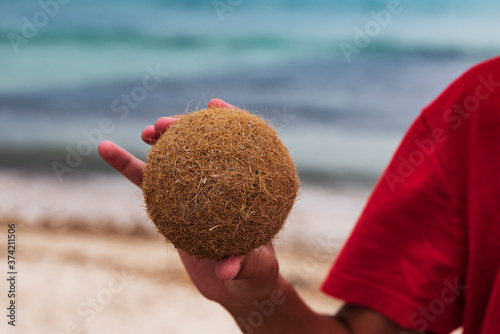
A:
x: 242, y: 282
x: 128, y: 165
x: 232, y: 281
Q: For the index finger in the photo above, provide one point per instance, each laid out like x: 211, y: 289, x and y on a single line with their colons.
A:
x: 121, y: 160
x: 151, y: 133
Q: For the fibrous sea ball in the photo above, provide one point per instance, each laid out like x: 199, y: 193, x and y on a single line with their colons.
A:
x: 219, y: 183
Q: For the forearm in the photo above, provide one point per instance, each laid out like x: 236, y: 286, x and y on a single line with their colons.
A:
x: 282, y: 310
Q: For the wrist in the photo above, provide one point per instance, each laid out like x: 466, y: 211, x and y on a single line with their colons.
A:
x: 281, y: 310
x: 260, y: 311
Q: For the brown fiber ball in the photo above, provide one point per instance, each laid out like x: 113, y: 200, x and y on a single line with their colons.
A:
x: 219, y: 183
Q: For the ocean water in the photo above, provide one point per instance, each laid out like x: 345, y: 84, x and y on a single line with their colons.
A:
x: 340, y: 80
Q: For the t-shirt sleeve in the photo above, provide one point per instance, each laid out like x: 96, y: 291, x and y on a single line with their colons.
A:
x: 406, y: 256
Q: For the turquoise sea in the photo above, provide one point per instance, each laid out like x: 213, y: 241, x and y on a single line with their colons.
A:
x: 340, y: 80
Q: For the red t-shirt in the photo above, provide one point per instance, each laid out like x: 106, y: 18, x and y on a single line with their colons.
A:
x: 426, y: 249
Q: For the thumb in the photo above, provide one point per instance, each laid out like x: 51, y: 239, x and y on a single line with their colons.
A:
x: 259, y: 264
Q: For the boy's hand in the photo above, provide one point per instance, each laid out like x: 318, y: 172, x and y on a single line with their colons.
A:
x: 231, y: 281
x: 241, y: 283
x: 131, y: 167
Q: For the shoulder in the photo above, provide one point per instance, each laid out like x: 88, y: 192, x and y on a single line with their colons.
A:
x: 475, y: 90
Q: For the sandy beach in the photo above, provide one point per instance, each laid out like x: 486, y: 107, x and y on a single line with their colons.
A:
x: 88, y: 259
x: 66, y: 280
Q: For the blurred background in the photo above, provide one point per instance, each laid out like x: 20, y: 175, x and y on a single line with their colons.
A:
x: 340, y: 80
